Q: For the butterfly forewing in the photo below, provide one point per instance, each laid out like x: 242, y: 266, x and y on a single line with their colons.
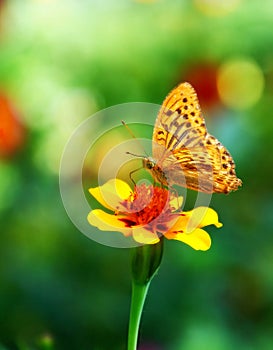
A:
x: 183, y: 149
x: 179, y: 122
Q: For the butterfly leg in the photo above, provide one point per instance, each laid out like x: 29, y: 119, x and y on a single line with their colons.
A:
x: 132, y: 172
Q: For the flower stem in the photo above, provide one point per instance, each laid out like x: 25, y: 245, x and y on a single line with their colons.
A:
x: 145, y: 263
x: 139, y: 292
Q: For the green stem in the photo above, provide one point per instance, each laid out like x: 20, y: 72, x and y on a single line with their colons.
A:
x: 145, y: 263
x: 139, y: 293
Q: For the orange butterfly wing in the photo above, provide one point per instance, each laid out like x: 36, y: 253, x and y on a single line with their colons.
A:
x: 185, y: 152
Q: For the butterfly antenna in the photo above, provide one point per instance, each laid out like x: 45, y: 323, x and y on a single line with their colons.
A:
x: 136, y: 155
x: 132, y: 134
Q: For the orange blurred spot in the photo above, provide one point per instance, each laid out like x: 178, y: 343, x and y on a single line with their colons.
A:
x: 12, y: 132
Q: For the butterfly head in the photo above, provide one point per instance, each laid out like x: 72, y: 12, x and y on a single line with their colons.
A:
x: 148, y: 163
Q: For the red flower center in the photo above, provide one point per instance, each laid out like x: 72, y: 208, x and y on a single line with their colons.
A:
x: 148, y: 205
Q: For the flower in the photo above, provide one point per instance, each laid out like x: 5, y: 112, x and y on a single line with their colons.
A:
x: 150, y: 212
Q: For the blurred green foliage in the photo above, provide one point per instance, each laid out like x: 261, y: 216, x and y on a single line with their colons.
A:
x: 61, y: 61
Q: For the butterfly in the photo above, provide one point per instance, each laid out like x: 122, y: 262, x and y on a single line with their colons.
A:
x: 184, y: 153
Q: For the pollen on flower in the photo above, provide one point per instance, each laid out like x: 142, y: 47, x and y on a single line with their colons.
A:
x: 146, y: 205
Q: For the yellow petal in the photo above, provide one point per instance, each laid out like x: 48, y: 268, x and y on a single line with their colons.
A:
x: 198, y: 239
x: 141, y: 235
x: 200, y: 217
x: 111, y: 193
x: 108, y: 222
x: 179, y: 223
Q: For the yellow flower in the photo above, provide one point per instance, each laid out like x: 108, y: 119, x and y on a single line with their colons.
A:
x: 150, y: 212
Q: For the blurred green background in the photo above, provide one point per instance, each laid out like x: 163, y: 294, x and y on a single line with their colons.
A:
x: 60, y: 62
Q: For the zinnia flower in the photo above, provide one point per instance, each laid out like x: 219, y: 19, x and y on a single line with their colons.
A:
x: 150, y: 212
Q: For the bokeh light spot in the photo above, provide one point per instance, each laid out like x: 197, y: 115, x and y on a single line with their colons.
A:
x: 203, y: 77
x: 216, y: 7
x: 240, y: 83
